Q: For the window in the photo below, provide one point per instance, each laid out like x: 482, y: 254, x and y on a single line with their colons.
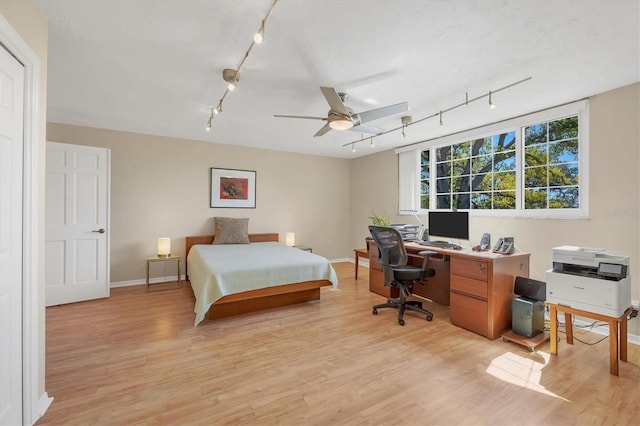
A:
x: 532, y: 166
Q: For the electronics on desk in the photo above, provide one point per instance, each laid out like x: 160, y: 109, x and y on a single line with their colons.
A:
x: 485, y: 243
x: 504, y: 245
x: 528, y: 307
x: 589, y: 279
x: 449, y: 224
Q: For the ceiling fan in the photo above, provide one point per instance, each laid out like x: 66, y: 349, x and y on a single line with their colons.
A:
x: 341, y: 117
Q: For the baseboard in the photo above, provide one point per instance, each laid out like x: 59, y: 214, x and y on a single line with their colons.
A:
x: 43, y: 404
x: 156, y: 280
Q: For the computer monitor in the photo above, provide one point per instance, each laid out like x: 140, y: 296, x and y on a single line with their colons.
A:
x: 449, y: 224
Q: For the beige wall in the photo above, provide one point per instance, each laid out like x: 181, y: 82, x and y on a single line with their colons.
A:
x: 614, y: 211
x: 160, y: 188
x: 28, y: 22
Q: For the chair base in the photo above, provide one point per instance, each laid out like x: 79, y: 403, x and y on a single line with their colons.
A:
x: 402, y: 305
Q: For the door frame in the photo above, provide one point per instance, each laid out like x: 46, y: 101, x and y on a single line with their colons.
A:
x: 33, y: 404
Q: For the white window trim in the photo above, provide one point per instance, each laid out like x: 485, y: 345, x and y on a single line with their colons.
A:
x: 580, y: 108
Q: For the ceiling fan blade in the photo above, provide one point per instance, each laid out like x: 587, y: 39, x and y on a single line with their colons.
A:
x: 365, y: 128
x: 300, y: 116
x: 374, y: 114
x: 322, y: 131
x: 334, y: 101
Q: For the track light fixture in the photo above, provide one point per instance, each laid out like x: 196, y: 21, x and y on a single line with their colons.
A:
x: 407, y: 121
x: 232, y: 76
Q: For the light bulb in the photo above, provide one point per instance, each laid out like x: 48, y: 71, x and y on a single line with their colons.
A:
x: 216, y: 111
x: 259, y: 35
x: 491, y: 104
x: 231, y: 86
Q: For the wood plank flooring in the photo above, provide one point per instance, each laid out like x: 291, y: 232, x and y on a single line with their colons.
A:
x: 136, y: 359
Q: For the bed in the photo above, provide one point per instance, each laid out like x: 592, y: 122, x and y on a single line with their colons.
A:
x: 233, y: 279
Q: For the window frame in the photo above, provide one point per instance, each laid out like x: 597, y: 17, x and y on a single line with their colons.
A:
x: 412, y: 204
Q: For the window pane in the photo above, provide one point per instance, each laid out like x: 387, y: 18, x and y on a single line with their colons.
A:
x: 424, y: 158
x: 443, y: 185
x: 535, y: 177
x: 424, y: 188
x: 563, y: 152
x: 461, y: 184
x: 424, y: 202
x: 481, y: 200
x: 535, y: 155
x: 563, y: 174
x: 443, y: 169
x: 461, y: 150
x: 504, y: 180
x: 563, y: 198
x: 462, y: 201
x: 424, y: 174
x: 460, y: 167
x: 504, y: 142
x: 482, y: 146
x: 535, y: 199
x: 482, y: 182
x: 563, y: 129
x: 443, y: 202
x: 505, y: 161
x: 443, y: 153
x: 535, y: 134
x: 504, y: 200
x: 481, y: 164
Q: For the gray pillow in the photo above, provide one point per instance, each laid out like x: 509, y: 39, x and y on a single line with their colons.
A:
x: 231, y: 230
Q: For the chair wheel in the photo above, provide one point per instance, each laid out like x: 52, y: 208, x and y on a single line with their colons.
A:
x: 401, y: 321
x: 375, y: 311
x: 429, y: 317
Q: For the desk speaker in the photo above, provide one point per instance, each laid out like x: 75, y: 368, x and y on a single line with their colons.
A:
x: 528, y: 316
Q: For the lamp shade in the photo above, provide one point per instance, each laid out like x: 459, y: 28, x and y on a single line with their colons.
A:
x: 164, y: 247
x: 290, y: 239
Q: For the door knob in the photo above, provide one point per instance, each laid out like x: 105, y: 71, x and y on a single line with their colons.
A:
x: 100, y: 231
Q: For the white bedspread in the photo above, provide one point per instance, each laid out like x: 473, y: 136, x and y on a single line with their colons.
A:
x: 219, y: 270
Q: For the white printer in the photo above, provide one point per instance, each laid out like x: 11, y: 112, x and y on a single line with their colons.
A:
x: 589, y: 279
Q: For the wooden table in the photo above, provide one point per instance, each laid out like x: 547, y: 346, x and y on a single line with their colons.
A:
x: 171, y: 257
x: 617, y: 335
x: 360, y: 253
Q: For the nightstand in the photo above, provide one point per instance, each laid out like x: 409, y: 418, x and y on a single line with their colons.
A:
x: 173, y: 257
x: 305, y: 248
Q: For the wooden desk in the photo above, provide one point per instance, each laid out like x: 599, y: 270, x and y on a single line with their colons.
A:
x: 617, y: 335
x: 479, y: 289
x: 360, y: 253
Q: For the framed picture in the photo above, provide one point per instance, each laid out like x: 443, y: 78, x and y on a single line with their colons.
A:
x: 233, y: 188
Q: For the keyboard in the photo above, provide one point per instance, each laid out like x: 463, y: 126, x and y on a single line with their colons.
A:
x: 440, y: 244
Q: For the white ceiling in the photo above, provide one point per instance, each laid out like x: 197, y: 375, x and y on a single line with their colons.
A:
x: 155, y: 66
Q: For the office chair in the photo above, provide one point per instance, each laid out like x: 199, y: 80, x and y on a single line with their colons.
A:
x: 393, y: 258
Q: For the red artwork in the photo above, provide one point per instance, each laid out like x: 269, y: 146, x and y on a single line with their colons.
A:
x: 232, y: 188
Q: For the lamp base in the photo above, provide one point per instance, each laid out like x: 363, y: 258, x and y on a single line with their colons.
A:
x: 164, y: 255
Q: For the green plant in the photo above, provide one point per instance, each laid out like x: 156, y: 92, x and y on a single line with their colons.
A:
x: 380, y: 220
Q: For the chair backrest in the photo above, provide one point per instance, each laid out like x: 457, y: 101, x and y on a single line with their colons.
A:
x: 392, y: 252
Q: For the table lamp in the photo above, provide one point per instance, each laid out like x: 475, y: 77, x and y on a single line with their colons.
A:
x: 164, y: 247
x: 290, y: 239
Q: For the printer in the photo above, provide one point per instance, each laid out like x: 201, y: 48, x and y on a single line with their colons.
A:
x: 589, y: 279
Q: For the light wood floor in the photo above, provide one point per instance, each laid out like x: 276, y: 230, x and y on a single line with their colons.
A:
x: 136, y: 359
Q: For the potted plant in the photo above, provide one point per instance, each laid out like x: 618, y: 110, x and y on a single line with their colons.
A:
x: 377, y: 220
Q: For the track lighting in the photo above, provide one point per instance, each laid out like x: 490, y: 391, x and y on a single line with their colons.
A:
x: 259, y: 35
x: 407, y: 120
x: 231, y: 76
x: 372, y: 145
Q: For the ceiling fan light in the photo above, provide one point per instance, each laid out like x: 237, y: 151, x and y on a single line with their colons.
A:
x: 341, y: 124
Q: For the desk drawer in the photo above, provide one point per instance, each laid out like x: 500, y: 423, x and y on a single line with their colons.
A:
x: 469, y: 286
x: 469, y: 268
x: 469, y: 313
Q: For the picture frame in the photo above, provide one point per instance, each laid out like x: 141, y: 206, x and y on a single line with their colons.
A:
x: 232, y: 188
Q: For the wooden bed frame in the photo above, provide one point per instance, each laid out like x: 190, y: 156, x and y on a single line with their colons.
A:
x: 260, y: 299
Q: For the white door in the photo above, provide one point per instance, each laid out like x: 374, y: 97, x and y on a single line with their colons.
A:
x: 77, y: 223
x: 11, y: 160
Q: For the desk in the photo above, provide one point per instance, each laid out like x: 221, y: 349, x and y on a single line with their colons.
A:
x: 615, y: 333
x: 360, y: 253
x: 478, y: 285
